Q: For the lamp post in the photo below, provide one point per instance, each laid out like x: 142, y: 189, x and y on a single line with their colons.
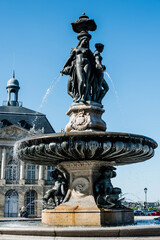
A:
x: 145, y: 202
x: 145, y: 191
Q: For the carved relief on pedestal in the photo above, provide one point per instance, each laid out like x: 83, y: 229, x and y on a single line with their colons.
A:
x: 80, y: 121
x: 80, y: 186
x: 85, y: 117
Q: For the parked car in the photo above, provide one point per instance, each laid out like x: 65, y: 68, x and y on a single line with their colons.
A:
x: 154, y: 213
x: 138, y: 213
x: 157, y: 213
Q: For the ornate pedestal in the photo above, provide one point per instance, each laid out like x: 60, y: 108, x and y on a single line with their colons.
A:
x: 79, y: 207
x: 85, y: 117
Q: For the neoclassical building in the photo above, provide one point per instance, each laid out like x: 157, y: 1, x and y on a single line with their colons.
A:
x: 20, y: 184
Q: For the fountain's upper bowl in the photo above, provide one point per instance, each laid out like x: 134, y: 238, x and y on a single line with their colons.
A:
x: 111, y: 147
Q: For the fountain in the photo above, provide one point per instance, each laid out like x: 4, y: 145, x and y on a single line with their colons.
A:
x: 86, y: 154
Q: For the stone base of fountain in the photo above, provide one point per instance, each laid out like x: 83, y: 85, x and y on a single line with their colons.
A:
x: 79, y: 207
x: 86, y: 216
x: 85, y: 117
x: 113, y: 217
x: 72, y: 216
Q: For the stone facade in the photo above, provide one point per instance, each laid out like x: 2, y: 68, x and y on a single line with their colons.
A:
x: 20, y: 184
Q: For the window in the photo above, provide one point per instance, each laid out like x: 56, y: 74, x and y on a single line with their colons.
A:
x: 5, y: 123
x: 11, y: 204
x: 30, y: 174
x: 12, y: 172
x: 30, y: 202
x: 24, y: 124
x: 49, y: 170
x: 12, y: 95
x: 49, y: 180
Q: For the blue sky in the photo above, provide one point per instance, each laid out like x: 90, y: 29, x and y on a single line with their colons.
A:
x: 36, y: 38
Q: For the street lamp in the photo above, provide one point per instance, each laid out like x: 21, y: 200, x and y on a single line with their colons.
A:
x: 145, y: 203
x: 145, y: 191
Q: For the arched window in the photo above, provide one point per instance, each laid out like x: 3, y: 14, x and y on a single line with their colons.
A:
x: 11, y: 204
x: 5, y: 123
x: 12, y: 172
x: 30, y: 174
x: 24, y: 124
x: 12, y: 95
x: 49, y: 180
x: 30, y: 202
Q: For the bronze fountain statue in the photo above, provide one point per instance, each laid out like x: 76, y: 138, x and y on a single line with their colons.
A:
x: 85, y: 155
x: 86, y: 82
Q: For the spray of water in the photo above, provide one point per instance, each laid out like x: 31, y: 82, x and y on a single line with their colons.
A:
x: 15, y: 149
x: 132, y: 194
x: 33, y: 202
x: 52, y: 86
x: 116, y: 93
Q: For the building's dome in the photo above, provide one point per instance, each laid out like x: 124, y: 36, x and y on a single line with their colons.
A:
x: 12, y: 83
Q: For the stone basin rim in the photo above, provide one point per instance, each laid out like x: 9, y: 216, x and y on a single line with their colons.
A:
x: 107, y: 147
x: 87, y: 133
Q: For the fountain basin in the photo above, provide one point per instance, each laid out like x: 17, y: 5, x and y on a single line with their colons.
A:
x: 112, y: 147
x: 80, y: 155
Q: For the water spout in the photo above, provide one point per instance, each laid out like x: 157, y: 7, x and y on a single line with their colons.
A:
x: 53, y: 84
x: 115, y: 91
x: 117, y: 99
